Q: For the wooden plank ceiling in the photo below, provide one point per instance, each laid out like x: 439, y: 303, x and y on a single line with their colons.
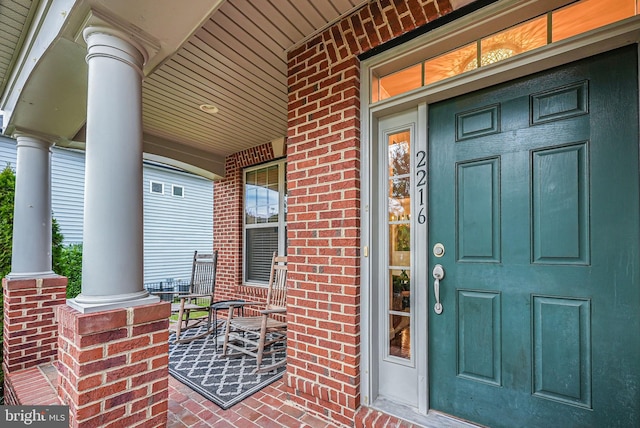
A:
x: 15, y: 16
x: 237, y: 62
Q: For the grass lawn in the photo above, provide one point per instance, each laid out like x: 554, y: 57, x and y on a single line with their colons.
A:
x: 193, y: 315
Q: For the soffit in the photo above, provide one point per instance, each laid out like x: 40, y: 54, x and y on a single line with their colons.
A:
x: 236, y: 61
x: 15, y: 17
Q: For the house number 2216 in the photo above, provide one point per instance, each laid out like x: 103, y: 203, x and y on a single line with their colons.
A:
x: 421, y: 184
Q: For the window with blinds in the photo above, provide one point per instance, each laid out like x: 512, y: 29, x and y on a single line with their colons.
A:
x: 264, y: 219
x: 260, y: 244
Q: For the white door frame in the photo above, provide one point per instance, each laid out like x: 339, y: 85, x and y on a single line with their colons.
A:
x: 466, y: 29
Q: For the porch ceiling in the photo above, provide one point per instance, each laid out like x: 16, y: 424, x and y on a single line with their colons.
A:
x: 230, y: 53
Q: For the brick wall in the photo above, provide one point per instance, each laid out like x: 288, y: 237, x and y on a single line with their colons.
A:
x: 228, y: 197
x: 113, y: 366
x: 30, y: 330
x: 323, y: 153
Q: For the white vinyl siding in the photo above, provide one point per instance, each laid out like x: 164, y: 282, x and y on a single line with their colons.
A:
x: 174, y: 227
x: 67, y: 193
x: 7, y: 153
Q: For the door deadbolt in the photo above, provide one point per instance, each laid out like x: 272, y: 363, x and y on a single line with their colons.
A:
x: 438, y: 250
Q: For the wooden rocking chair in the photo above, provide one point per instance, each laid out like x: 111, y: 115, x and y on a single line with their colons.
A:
x: 201, y: 294
x: 255, y: 335
x: 198, y: 298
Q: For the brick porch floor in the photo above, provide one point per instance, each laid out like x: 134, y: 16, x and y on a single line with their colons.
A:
x: 268, y: 408
x: 265, y: 409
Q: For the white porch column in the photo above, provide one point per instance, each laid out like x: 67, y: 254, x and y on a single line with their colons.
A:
x: 31, y: 248
x: 112, y: 262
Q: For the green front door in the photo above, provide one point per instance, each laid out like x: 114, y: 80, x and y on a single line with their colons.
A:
x: 533, y: 193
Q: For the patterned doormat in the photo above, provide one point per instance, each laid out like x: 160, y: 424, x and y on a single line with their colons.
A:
x: 224, y: 381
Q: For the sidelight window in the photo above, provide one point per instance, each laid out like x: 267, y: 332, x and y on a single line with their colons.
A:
x: 399, y: 239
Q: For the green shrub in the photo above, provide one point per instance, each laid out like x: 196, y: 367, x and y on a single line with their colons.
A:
x: 56, y: 246
x: 7, y: 186
x: 70, y: 265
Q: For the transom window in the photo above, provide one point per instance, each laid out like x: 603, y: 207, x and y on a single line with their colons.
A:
x: 265, y: 229
x: 551, y: 27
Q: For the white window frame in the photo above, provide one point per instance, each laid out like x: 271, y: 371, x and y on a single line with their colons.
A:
x: 151, y: 183
x: 282, y: 217
x: 175, y: 186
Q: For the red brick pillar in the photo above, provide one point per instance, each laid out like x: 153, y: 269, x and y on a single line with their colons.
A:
x: 30, y: 329
x: 113, y: 366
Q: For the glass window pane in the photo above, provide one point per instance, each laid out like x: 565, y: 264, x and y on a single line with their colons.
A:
x: 272, y: 175
x: 262, y: 201
x: 375, y: 89
x: 588, y: 15
x: 400, y: 316
x: 399, y: 245
x: 400, y: 336
x: 400, y: 188
x: 400, y: 82
x: 400, y: 175
x: 399, y: 153
x: 286, y: 193
x: 157, y: 187
x: 400, y: 290
x: 514, y: 41
x: 451, y: 64
x: 261, y: 177
x: 260, y: 244
x: 400, y: 199
x: 250, y: 201
x: 251, y: 177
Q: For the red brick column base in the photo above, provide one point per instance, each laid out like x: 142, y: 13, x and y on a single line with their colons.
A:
x: 30, y: 330
x: 113, y: 367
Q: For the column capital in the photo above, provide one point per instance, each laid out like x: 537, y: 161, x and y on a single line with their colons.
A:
x: 32, y: 140
x: 103, y: 41
x: 120, y: 38
x: 27, y: 134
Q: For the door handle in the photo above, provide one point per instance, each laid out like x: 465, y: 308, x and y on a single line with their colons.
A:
x: 438, y: 274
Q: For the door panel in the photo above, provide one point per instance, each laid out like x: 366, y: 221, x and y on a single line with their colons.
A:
x: 560, y: 199
x: 478, y: 201
x: 534, y: 191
